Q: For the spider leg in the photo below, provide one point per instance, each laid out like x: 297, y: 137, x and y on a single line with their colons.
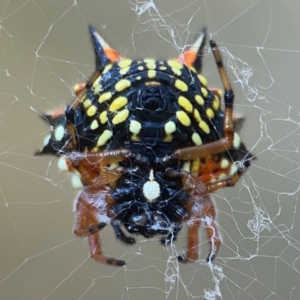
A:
x: 209, y: 215
x: 120, y: 234
x: 193, y: 242
x: 87, y: 224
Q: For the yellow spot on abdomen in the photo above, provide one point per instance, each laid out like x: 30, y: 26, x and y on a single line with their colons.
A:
x: 203, y: 80
x: 216, y: 104
x: 204, y: 92
x: 125, y: 63
x: 196, y: 138
x: 120, y: 117
x: 123, y: 71
x: 87, y: 103
x: 91, y: 111
x: 150, y: 63
x: 204, y: 127
x: 199, y: 100
x: 135, y: 127
x: 103, y: 117
x: 180, y: 85
x: 170, y: 127
x: 94, y: 125
x: 210, y: 114
x: 183, y: 118
x: 118, y: 103
x: 122, y: 85
x: 104, y: 97
x: 185, y: 103
x: 151, y: 74
x: 104, y: 137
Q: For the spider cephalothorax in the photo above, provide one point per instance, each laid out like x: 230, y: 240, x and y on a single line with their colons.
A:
x: 149, y: 142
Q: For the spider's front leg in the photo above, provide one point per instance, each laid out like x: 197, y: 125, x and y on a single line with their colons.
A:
x: 95, y: 199
x: 87, y: 224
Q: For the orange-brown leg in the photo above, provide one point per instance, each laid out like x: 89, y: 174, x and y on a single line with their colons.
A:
x: 211, y: 187
x: 192, y: 243
x: 86, y: 224
x: 208, y: 217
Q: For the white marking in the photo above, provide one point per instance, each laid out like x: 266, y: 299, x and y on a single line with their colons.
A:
x: 236, y: 141
x: 47, y: 139
x: 151, y: 188
x: 59, y: 132
x: 62, y: 164
x: 187, y: 166
x: 233, y: 169
x: 135, y: 127
x: 76, y: 181
x: 224, y: 163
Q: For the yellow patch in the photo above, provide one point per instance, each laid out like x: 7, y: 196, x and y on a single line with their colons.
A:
x: 185, y: 103
x: 104, y: 97
x: 94, y: 125
x: 150, y: 63
x: 97, y: 81
x: 168, y: 138
x: 118, y: 103
x: 141, y: 68
x: 170, y: 127
x: 151, y: 74
x: 224, y: 163
x: 135, y: 127
x: 210, y: 114
x: 183, y: 118
x: 216, y: 104
x: 162, y: 68
x: 195, y: 166
x: 199, y: 100
x: 122, y: 85
x: 196, y: 138
x: 104, y: 137
x: 120, y: 117
x: 197, y: 115
x: 103, y: 117
x: 87, y: 103
x: 204, y: 127
x: 181, y: 86
x: 97, y: 89
x: 124, y: 70
x: 204, y: 92
x: 135, y: 138
x: 203, y: 80
x: 125, y: 63
x: 91, y: 111
x: 107, y: 68
x: 175, y: 64
x: 187, y: 166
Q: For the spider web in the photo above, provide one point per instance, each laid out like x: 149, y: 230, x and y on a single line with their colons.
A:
x: 45, y: 50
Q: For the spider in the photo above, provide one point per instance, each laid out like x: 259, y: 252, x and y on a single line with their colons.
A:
x: 149, y: 142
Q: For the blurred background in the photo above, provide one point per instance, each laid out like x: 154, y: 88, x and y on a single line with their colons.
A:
x: 45, y: 50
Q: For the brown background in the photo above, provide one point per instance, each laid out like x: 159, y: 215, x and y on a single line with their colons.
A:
x: 45, y: 50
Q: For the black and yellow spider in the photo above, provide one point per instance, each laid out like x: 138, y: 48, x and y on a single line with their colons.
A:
x: 149, y: 141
